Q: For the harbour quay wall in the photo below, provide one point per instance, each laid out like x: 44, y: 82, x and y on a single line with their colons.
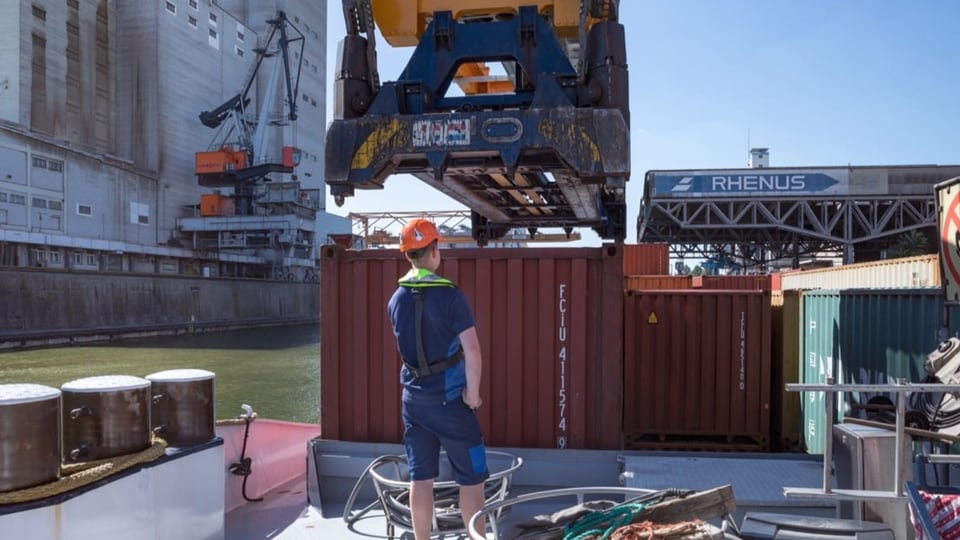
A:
x: 41, y: 307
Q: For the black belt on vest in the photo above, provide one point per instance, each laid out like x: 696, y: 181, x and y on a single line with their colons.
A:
x: 425, y: 368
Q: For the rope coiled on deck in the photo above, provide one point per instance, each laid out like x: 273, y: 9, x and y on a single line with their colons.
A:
x: 76, y: 475
x: 600, y: 524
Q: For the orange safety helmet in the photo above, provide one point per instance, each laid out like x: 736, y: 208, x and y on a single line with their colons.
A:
x: 417, y: 234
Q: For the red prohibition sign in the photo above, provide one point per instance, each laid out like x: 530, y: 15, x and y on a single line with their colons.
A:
x: 950, y: 239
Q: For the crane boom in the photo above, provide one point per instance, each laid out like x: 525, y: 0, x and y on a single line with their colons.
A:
x: 545, y: 144
x: 238, y: 153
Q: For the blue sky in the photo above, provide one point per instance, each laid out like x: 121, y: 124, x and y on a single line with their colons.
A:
x: 819, y: 82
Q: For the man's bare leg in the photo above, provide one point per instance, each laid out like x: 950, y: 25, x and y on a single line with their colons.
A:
x: 421, y: 508
x: 471, y: 502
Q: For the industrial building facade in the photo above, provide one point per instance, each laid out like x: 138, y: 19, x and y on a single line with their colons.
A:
x: 99, y: 105
x: 764, y: 217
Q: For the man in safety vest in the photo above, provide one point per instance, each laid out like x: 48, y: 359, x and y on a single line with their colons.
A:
x: 442, y: 365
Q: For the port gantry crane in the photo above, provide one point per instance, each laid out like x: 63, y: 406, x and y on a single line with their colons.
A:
x: 265, y: 220
x: 544, y: 144
x: 241, y: 154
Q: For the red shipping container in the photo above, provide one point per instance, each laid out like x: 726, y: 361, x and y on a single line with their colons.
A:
x: 646, y: 259
x: 743, y: 283
x: 659, y: 283
x: 550, y: 323
x: 697, y: 370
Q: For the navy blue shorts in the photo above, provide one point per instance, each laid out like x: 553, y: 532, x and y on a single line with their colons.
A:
x: 452, y: 425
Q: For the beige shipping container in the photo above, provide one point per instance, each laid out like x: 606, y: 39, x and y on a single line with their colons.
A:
x: 905, y: 273
x: 785, y: 418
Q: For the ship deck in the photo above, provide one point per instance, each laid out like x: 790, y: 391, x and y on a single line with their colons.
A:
x: 312, y: 506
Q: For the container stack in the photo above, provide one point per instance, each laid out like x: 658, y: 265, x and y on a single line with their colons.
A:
x: 602, y: 348
x: 867, y: 323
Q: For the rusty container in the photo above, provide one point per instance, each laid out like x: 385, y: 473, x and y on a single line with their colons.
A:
x: 762, y: 282
x: 697, y: 370
x: 182, y: 406
x: 643, y: 283
x: 550, y: 322
x: 104, y: 417
x: 646, y: 259
x: 29, y: 435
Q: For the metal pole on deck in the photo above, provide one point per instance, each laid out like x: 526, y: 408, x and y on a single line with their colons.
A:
x: 898, y: 452
x: 945, y: 329
x: 828, y: 397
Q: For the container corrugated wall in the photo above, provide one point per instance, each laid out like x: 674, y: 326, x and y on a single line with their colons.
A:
x: 642, y: 283
x: 863, y: 336
x: 785, y: 430
x: 550, y: 323
x: 697, y: 370
x: 904, y: 273
x: 646, y: 259
x: 746, y: 283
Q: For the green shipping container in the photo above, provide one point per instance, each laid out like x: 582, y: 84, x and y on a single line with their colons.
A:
x: 863, y: 336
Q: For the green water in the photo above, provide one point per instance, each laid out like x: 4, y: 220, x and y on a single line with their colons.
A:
x: 275, y: 370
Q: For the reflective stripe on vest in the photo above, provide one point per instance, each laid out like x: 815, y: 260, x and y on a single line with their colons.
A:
x: 421, y: 277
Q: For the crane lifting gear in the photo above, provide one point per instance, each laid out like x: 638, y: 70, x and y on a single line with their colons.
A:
x: 238, y: 155
x: 555, y: 152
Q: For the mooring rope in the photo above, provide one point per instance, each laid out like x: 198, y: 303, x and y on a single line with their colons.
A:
x: 601, y: 524
x: 77, y: 475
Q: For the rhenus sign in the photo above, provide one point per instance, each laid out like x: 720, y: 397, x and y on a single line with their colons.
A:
x: 744, y: 183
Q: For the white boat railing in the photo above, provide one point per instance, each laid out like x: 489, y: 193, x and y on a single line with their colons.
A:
x: 901, y: 388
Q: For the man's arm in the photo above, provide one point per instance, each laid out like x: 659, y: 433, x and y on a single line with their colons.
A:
x: 474, y: 366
